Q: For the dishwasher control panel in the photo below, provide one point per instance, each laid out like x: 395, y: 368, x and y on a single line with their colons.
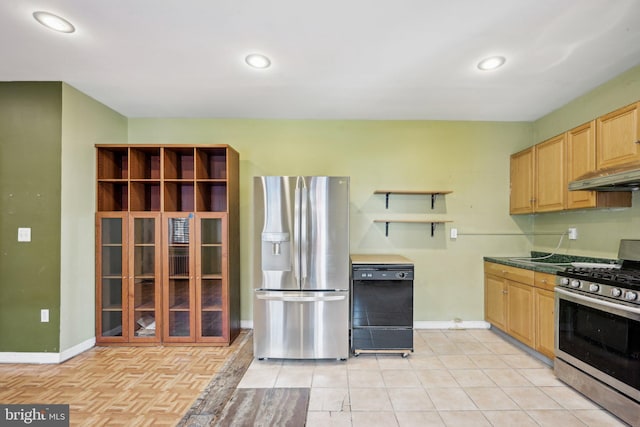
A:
x: 382, y: 273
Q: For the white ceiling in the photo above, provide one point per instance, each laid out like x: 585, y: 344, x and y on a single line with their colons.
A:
x: 332, y: 59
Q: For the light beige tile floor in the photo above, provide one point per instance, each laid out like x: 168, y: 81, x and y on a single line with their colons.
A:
x: 454, y: 378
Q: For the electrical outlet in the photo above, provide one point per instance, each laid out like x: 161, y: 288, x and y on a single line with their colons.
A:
x: 454, y: 233
x: 44, y: 315
x: 573, y: 233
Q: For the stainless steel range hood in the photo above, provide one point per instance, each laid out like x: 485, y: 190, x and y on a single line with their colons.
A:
x: 628, y: 180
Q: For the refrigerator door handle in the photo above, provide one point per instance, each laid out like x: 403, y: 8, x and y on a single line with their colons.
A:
x: 297, y: 298
x: 296, y: 232
x: 304, y: 242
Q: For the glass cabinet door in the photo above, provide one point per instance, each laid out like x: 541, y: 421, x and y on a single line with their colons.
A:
x: 211, y: 294
x: 179, y: 293
x: 111, y: 278
x: 145, y: 277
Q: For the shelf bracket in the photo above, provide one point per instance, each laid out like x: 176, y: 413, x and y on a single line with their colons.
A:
x: 386, y: 227
x: 433, y: 228
x: 433, y: 203
x: 386, y: 202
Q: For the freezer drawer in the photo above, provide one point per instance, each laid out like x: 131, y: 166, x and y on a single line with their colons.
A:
x: 301, y: 325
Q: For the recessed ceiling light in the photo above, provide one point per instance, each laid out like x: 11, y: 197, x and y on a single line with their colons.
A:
x: 257, y: 60
x: 54, y: 22
x: 491, y: 63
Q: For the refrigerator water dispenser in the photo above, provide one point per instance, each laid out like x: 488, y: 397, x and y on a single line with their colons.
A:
x: 276, y: 251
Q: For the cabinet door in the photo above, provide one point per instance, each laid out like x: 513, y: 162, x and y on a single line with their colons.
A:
x: 550, y: 182
x: 521, y: 197
x: 520, y: 314
x: 144, y: 278
x: 494, y: 301
x: 212, y: 316
x: 178, y: 278
x: 544, y: 312
x: 618, y: 137
x: 581, y: 159
x: 111, y: 278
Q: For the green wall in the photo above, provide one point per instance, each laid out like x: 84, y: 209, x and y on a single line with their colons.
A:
x: 30, y: 145
x: 599, y: 231
x: 47, y: 180
x: 85, y: 122
x: 469, y: 158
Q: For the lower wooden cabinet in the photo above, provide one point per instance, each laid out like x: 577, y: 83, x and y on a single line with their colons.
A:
x: 495, y: 301
x: 544, y: 307
x: 164, y: 278
x: 521, y: 303
x: 544, y: 303
x: 520, y: 314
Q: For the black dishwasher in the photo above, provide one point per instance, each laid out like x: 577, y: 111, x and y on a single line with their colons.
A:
x: 382, y: 308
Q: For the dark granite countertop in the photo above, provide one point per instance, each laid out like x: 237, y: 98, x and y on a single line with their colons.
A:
x: 541, y: 261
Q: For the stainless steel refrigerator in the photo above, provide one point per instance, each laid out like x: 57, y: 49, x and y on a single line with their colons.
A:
x: 301, y: 267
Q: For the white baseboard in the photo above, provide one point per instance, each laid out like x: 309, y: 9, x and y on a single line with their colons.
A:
x: 420, y: 324
x: 246, y: 324
x: 451, y: 324
x: 26, y: 357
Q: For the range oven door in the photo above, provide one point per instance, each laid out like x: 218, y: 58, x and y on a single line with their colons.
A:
x: 601, y: 338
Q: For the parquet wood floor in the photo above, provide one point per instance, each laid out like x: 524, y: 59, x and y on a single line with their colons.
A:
x: 112, y: 386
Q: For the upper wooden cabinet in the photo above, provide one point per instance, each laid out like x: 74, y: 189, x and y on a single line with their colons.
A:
x: 618, y: 138
x: 550, y: 188
x: 522, y: 186
x: 581, y: 160
x: 538, y: 182
x: 540, y: 175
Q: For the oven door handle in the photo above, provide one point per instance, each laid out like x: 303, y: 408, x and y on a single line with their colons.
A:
x: 597, y: 302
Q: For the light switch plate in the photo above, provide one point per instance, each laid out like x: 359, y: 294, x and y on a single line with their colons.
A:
x: 24, y: 234
x: 454, y: 233
x: 44, y: 315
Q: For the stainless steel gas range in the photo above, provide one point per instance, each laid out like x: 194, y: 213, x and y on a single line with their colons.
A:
x: 598, y: 332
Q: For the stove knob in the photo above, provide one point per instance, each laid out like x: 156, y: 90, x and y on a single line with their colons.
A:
x: 631, y: 296
x: 594, y: 288
x: 616, y: 292
x: 575, y: 283
x: 564, y: 281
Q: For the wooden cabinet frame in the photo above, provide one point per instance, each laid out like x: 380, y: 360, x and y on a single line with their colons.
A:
x: 194, y: 182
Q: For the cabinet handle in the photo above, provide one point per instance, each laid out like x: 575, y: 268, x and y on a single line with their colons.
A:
x: 544, y: 280
x: 504, y: 292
